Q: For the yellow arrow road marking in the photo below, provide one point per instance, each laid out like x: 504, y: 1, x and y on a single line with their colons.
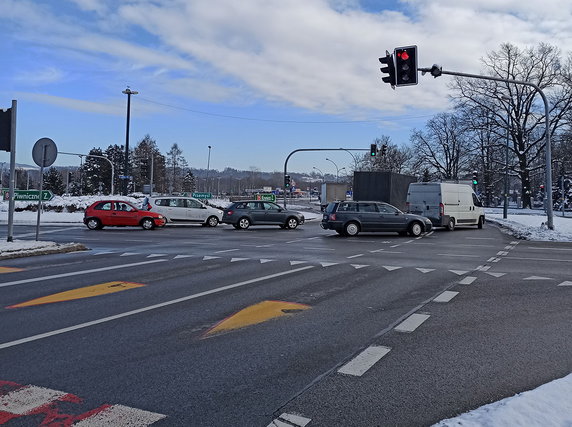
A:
x: 254, y: 314
x: 86, y: 292
x: 10, y: 269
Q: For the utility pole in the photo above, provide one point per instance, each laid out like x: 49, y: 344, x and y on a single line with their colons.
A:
x: 127, y: 92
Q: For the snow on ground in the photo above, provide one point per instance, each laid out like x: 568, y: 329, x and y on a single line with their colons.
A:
x: 547, y: 405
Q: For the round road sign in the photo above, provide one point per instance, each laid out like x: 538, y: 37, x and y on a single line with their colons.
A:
x: 44, y: 152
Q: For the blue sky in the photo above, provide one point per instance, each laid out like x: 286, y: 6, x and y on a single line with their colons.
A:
x: 254, y: 79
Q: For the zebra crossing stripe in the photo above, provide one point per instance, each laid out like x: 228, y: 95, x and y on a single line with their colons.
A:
x: 120, y: 416
x: 27, y: 399
x: 290, y: 420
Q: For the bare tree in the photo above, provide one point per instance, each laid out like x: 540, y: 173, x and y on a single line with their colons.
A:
x: 518, y: 107
x: 394, y: 159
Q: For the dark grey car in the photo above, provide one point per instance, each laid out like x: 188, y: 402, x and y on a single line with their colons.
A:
x: 348, y: 218
x: 243, y: 214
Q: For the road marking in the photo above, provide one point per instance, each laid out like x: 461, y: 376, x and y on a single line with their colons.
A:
x: 412, y: 322
x: 255, y: 314
x: 80, y: 293
x: 261, y: 246
x: 409, y: 241
x: 459, y: 272
x: 296, y: 241
x: 538, y: 259
x: 208, y: 257
x: 77, y: 273
x: 496, y: 274
x: 509, y: 247
x: 502, y: 253
x: 566, y: 283
x: 289, y: 420
x: 377, y: 250
x: 394, y: 246
x: 425, y: 270
x: 514, y: 242
x: 226, y: 250
x: 120, y: 416
x: 548, y: 249
x: 182, y: 256
x: 238, y: 259
x: 149, y: 308
x: 130, y: 253
x: 390, y: 267
x: 538, y: 278
x: 26, y: 399
x: 483, y: 268
x: 320, y: 249
x: 328, y: 264
x: 156, y: 255
x: 358, y: 266
x: 298, y: 262
x: 467, y: 280
x: 360, y: 364
x: 10, y: 270
x: 104, y: 253
x: 354, y: 256
x: 446, y: 296
x: 460, y: 255
x: 496, y: 260
x: 263, y: 260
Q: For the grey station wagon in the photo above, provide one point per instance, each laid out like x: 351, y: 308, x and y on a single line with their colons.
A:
x: 348, y: 218
x: 242, y: 215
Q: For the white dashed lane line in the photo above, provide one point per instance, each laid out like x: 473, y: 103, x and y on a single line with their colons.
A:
x: 467, y: 280
x: 446, y: 296
x: 412, y: 322
x: 354, y: 256
x: 360, y: 364
x: 290, y: 420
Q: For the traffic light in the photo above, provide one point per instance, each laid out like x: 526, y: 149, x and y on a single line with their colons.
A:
x: 389, y: 69
x: 384, y: 149
x: 475, y: 178
x: 405, y: 66
x: 373, y: 150
x: 286, y: 181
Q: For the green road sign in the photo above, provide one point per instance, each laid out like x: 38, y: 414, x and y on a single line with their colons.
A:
x: 202, y: 195
x: 27, y: 195
x: 266, y: 197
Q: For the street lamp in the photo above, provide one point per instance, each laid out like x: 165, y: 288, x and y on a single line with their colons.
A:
x: 314, y: 167
x: 337, y: 169
x: 505, y: 205
x: 208, y: 168
x: 127, y: 92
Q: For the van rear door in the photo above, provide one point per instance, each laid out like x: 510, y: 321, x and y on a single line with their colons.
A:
x: 424, y: 199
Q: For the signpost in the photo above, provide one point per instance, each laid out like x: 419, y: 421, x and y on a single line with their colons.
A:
x: 27, y: 195
x: 202, y: 195
x: 44, y: 154
x: 266, y: 197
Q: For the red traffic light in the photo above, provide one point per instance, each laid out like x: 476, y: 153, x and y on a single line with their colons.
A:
x: 403, y: 55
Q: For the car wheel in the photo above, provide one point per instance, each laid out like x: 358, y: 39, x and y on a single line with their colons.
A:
x: 291, y: 223
x: 147, y: 224
x: 481, y: 222
x: 93, y: 224
x: 243, y: 223
x: 351, y: 229
x: 451, y: 224
x: 415, y: 229
x: 212, y: 221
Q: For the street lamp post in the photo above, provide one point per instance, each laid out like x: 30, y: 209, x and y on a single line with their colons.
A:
x: 208, y: 168
x: 127, y: 92
x: 337, y: 169
x: 322, y: 173
x: 509, y: 123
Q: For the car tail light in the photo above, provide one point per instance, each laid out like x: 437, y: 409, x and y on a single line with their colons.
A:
x: 229, y: 212
x: 332, y: 217
x: 441, y: 209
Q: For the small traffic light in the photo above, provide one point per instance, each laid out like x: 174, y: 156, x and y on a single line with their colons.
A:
x: 286, y: 181
x: 475, y: 178
x: 389, y: 69
x: 373, y: 150
x: 384, y: 149
x: 405, y: 66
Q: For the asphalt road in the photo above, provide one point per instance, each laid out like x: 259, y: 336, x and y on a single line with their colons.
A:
x: 338, y: 354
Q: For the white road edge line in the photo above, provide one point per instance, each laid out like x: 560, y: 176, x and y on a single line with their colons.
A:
x: 360, y: 364
x: 77, y: 273
x: 148, y: 308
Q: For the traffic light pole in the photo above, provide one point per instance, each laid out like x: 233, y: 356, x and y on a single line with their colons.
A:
x: 314, y: 149
x: 436, y: 71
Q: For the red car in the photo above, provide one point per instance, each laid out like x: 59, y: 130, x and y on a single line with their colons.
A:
x: 120, y: 213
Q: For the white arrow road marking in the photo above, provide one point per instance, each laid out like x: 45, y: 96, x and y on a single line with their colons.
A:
x: 390, y: 267
x: 458, y: 272
x: 238, y: 259
x: 182, y: 256
x: 445, y: 296
x: 129, y: 254
x: 538, y: 278
x: 207, y: 257
x: 412, y: 322
x: 495, y: 274
x: 425, y: 270
x: 262, y: 261
x: 358, y: 266
x: 364, y: 361
x: 155, y: 255
x: 566, y: 283
x: 328, y: 264
x: 298, y: 262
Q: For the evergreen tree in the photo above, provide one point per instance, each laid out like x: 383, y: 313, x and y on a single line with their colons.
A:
x: 53, y: 181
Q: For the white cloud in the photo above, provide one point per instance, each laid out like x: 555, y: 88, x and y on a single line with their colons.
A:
x: 41, y: 76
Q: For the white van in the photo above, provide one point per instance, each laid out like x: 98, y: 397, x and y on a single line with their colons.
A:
x: 178, y: 208
x: 445, y: 204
